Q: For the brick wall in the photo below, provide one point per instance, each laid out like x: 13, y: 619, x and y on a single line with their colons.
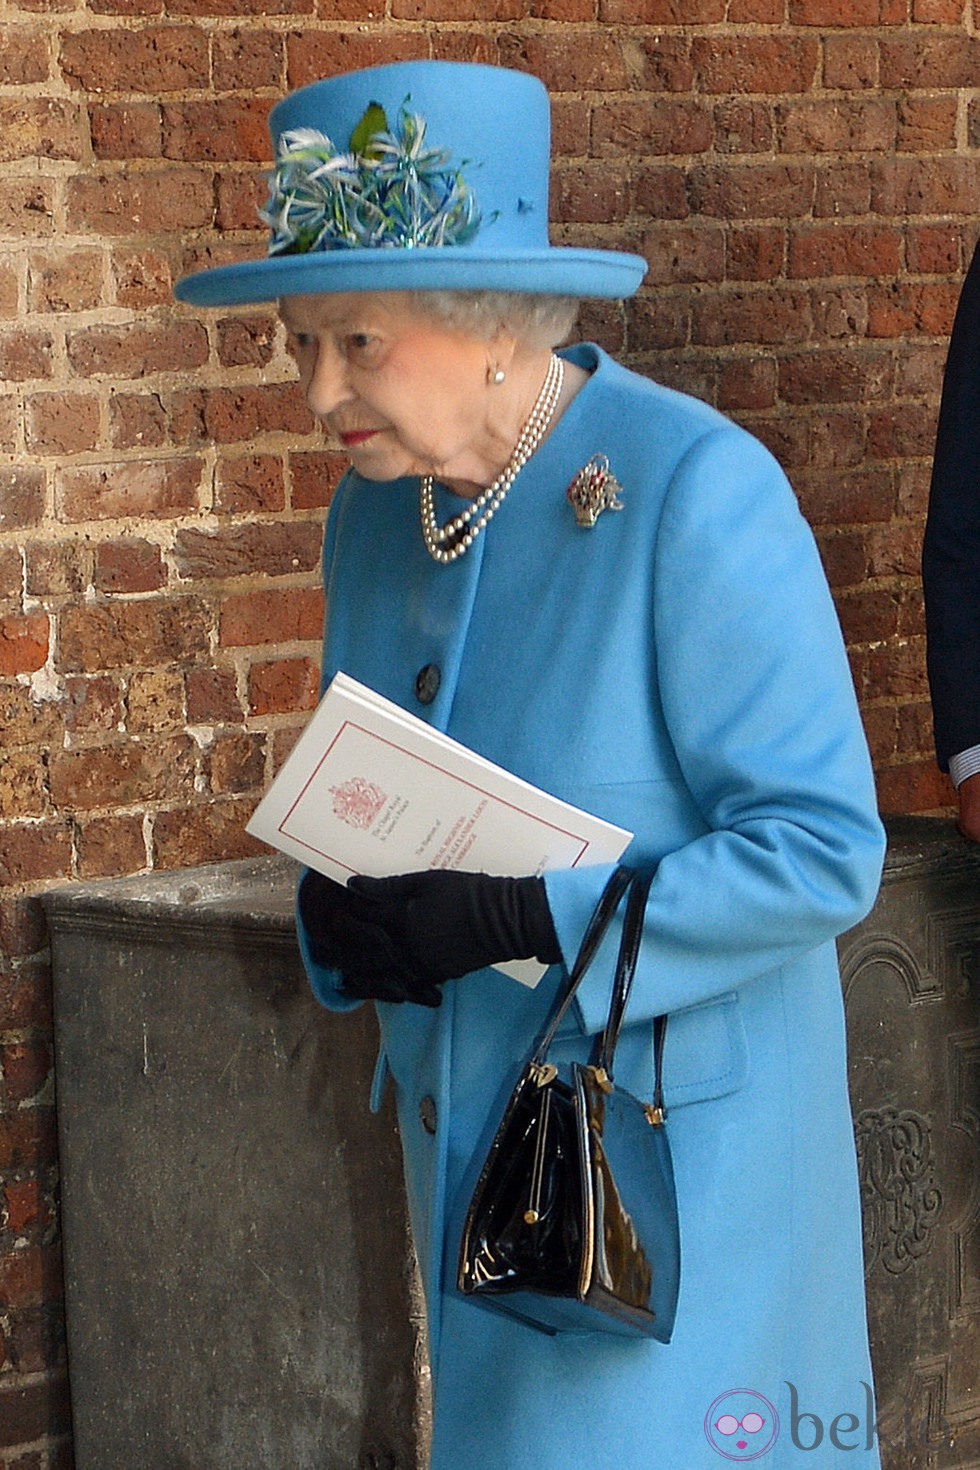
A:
x: 801, y: 176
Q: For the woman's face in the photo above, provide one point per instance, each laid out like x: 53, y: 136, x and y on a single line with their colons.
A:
x: 403, y: 393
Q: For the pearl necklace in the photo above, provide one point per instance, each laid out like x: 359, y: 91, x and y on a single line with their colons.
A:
x: 446, y: 543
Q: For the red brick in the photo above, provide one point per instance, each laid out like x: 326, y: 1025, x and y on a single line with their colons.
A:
x: 9, y: 420
x: 129, y: 566
x: 39, y: 127
x: 23, y: 933
x: 249, y: 484
x: 680, y: 252
x: 844, y: 250
x: 11, y: 576
x: 140, y: 204
x: 936, y: 186
x: 900, y: 309
x: 289, y: 615
x: 22, y: 789
x: 915, y: 786
x: 136, y: 350
x: 126, y: 130
x: 142, y: 278
x: 661, y: 12
x: 657, y: 126
x: 661, y: 193
x: 773, y: 316
x: 905, y: 431
x: 589, y: 193
x: 155, y: 631
x: 110, y: 847
x: 260, y: 548
x: 748, y: 382
x: 841, y: 13
x: 841, y: 311
x: 26, y: 1205
x: 449, y: 45
x: 283, y: 686
x: 868, y: 616
x: 229, y: 415
x: 933, y: 249
x: 482, y: 12
x: 843, y: 188
x: 154, y: 701
x: 227, y: 128
x: 27, y: 208
x: 25, y: 720
x: 93, y: 704
x: 30, y: 851
x: 865, y: 125
x: 755, y: 254
x: 23, y: 643
x: 61, y: 423
x: 850, y: 62
x: 33, y: 1411
x: 246, y: 341
x: 130, y: 488
x: 120, y: 775
x: 214, y: 832
x: 311, y: 54
x: 756, y: 12
x: 67, y: 281
x: 21, y: 496
x: 236, y: 763
x: 927, y: 124
x: 24, y: 355
x: 571, y: 61
x: 315, y: 475
x: 743, y: 191
x: 743, y: 127
x: 248, y: 60
x: 25, y: 1067
x: 835, y: 377
x: 212, y: 697
x: 23, y: 56
x: 657, y: 322
x: 924, y: 61
x: 57, y: 569
x: 151, y: 60
x: 755, y: 63
x: 240, y: 196
x: 137, y: 420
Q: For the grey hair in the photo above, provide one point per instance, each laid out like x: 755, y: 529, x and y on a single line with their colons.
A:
x: 539, y: 320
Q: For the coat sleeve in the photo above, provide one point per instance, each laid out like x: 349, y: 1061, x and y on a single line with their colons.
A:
x: 951, y: 549
x: 752, y: 676
x: 324, y: 982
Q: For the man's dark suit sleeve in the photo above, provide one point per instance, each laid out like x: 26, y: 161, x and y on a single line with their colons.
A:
x: 951, y: 551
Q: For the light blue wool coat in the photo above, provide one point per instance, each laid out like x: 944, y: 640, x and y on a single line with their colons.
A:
x: 677, y: 669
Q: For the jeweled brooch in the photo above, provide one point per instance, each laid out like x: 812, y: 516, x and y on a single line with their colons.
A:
x: 593, y: 490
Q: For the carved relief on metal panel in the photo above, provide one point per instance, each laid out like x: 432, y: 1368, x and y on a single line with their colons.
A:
x: 901, y: 1199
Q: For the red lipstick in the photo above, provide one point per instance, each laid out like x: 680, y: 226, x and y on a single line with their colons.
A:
x: 356, y: 436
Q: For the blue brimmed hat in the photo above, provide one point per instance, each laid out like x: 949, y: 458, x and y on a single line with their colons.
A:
x: 423, y: 175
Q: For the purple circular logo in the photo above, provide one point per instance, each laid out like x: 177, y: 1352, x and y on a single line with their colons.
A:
x: 742, y: 1425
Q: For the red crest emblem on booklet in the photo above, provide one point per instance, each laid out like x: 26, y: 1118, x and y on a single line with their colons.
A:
x: 357, y: 802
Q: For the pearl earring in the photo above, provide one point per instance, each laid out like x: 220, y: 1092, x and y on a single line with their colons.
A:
x: 496, y: 376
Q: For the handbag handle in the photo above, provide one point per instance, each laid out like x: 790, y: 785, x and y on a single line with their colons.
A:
x: 637, y: 882
x: 602, y: 917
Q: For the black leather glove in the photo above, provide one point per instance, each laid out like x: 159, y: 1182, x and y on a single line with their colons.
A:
x: 423, y: 928
x: 338, y: 935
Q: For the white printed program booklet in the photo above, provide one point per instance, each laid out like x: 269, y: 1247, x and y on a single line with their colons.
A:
x: 369, y: 788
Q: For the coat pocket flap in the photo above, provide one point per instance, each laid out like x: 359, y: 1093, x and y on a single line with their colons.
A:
x: 706, y: 1052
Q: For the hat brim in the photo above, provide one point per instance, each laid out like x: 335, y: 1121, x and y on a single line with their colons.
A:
x: 556, y: 271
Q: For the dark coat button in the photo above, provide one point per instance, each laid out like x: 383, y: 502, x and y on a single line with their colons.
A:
x: 427, y: 1113
x: 427, y: 682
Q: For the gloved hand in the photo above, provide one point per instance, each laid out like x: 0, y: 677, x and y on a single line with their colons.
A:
x: 421, y: 929
x: 338, y: 936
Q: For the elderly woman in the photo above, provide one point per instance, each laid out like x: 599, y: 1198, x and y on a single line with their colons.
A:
x: 607, y: 588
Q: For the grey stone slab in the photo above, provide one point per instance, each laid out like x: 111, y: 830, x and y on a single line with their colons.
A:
x: 238, y: 1270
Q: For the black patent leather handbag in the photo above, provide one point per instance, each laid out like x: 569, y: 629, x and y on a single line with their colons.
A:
x: 572, y: 1226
